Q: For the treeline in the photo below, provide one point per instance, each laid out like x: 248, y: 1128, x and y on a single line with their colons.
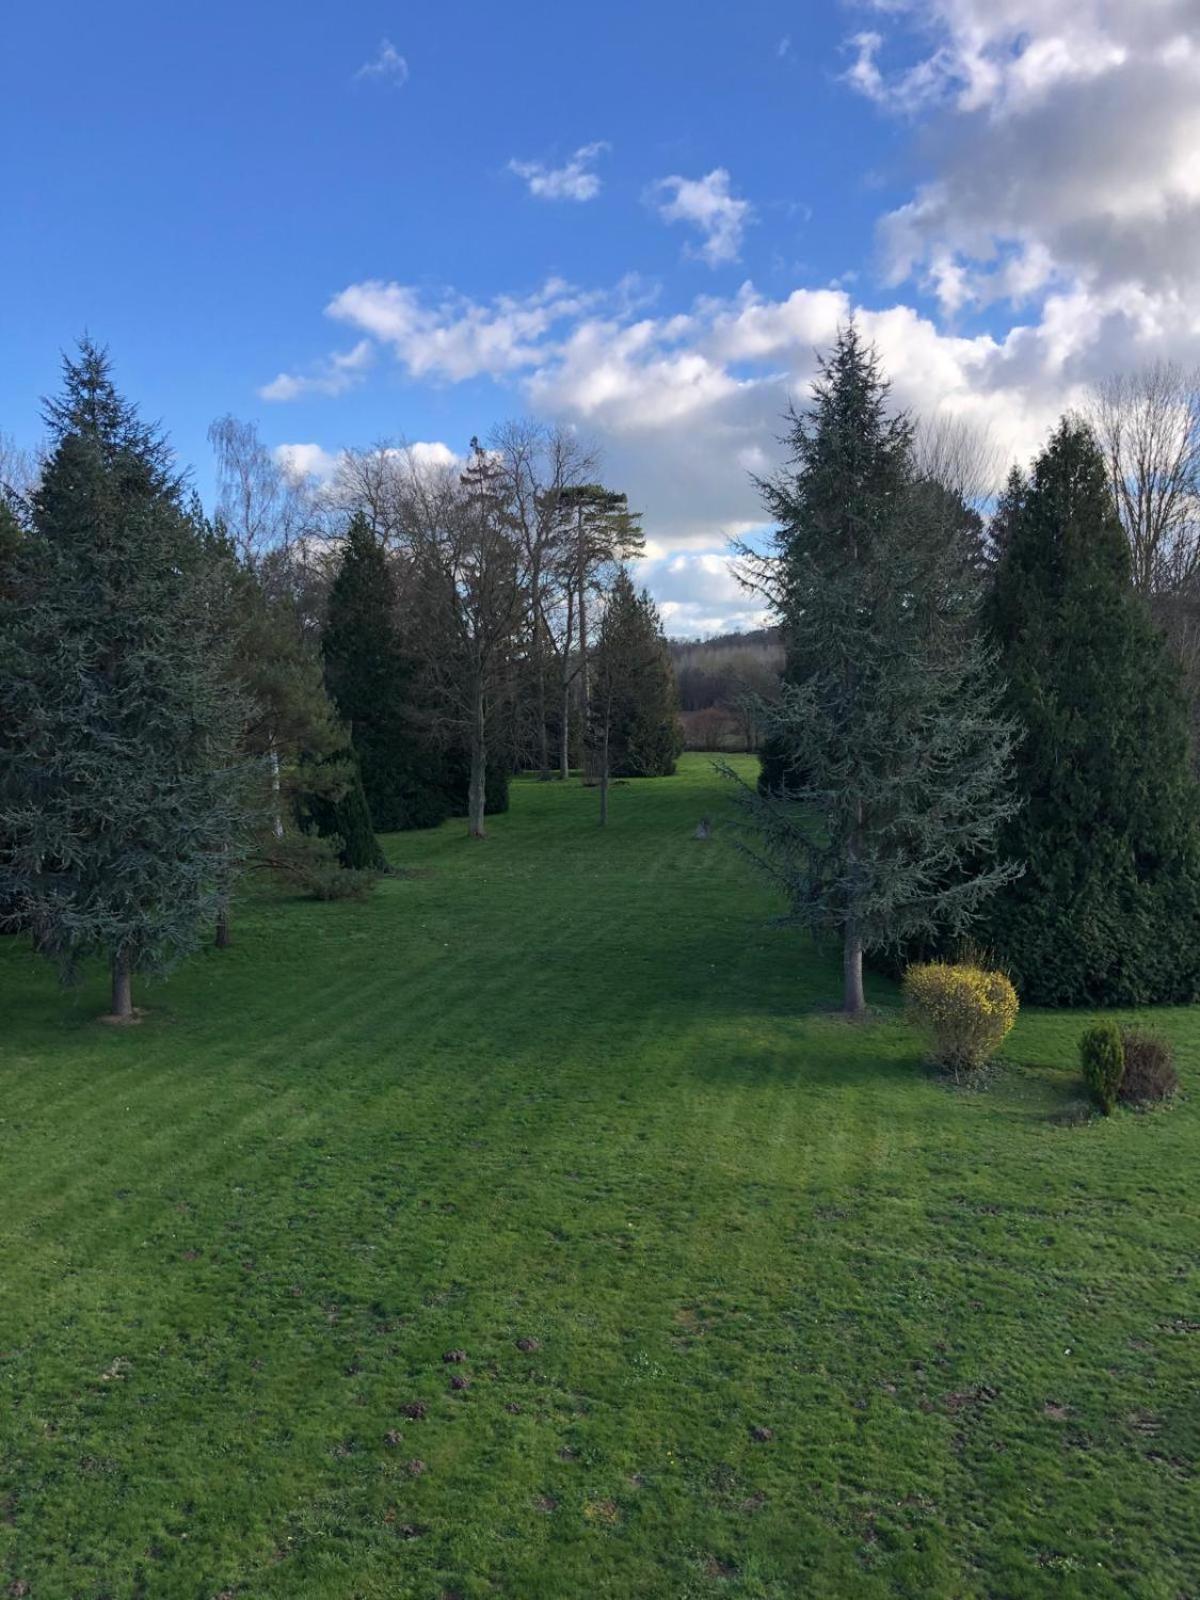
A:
x: 724, y: 683
x: 187, y: 695
x: 982, y: 736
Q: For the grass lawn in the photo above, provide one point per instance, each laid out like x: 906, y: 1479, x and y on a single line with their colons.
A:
x: 798, y: 1320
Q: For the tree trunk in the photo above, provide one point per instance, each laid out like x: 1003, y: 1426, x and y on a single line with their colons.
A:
x: 604, y: 765
x: 853, y: 1000
x: 478, y: 789
x: 276, y: 787
x: 122, y: 988
x: 564, y: 766
x: 222, y: 940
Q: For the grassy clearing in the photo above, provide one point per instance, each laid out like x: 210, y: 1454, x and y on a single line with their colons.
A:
x: 568, y: 1087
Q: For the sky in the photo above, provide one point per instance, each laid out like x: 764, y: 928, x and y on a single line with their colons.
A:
x: 641, y: 221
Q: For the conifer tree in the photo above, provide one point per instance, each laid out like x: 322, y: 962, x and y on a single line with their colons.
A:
x: 373, y: 682
x: 121, y: 794
x: 633, y: 728
x: 1108, y: 909
x: 895, y: 756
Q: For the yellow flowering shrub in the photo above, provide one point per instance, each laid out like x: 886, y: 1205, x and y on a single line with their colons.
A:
x: 966, y: 1011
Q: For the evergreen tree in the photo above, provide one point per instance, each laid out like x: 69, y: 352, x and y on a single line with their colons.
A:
x: 292, y: 734
x: 636, y: 714
x: 120, y: 791
x: 374, y: 684
x: 1108, y: 909
x: 332, y: 803
x: 895, y: 757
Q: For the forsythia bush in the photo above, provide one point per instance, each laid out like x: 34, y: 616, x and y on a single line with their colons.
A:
x: 967, y: 1010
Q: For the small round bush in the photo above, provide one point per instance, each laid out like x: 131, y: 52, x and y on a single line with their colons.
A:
x: 1149, y: 1074
x: 965, y: 1010
x: 1102, y: 1057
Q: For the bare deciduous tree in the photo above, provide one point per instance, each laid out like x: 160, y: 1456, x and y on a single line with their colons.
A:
x: 1148, y: 426
x: 538, y: 468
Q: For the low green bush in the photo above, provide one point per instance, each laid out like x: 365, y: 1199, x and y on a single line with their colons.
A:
x: 1102, y: 1057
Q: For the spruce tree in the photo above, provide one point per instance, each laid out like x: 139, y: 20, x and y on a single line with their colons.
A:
x: 894, y: 755
x: 373, y: 682
x: 121, y: 795
x: 1108, y: 909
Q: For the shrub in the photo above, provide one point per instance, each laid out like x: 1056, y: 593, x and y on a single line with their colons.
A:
x: 1149, y: 1073
x: 312, y: 864
x: 1102, y: 1057
x: 967, y: 1011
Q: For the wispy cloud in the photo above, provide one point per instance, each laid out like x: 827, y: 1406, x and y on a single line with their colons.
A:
x: 709, y: 205
x: 784, y: 47
x: 339, y: 372
x: 387, y: 65
x: 574, y: 180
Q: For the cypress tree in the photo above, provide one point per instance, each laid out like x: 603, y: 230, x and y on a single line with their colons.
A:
x: 120, y: 790
x: 637, y: 702
x: 893, y: 782
x: 373, y: 682
x: 1108, y: 909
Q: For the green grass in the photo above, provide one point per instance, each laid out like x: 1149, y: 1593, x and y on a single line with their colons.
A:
x: 571, y: 1086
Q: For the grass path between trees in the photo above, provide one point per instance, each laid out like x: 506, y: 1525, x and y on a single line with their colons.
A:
x: 798, y: 1320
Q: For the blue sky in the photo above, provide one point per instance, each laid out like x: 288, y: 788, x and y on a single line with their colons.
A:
x: 352, y: 222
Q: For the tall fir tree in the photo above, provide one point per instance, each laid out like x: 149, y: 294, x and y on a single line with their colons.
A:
x: 121, y: 793
x: 374, y: 684
x: 1108, y: 909
x: 894, y: 756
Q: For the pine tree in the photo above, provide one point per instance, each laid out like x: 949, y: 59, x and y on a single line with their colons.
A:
x: 1108, y: 909
x: 374, y: 684
x: 121, y: 795
x: 895, y: 756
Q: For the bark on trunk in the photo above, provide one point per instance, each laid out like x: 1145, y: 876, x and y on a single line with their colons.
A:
x: 276, y: 789
x: 478, y: 789
x: 564, y: 765
x: 222, y: 940
x: 853, y: 1000
x: 122, y: 987
x: 604, y: 774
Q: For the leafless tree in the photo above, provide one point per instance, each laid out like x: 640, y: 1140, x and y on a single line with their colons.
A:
x: 1148, y: 425
x: 537, y: 470
x: 964, y: 458
x: 20, y: 469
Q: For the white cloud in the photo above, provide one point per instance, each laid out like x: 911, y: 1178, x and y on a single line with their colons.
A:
x: 574, y: 180
x: 1064, y: 143
x: 305, y: 461
x: 784, y: 47
x: 314, y: 461
x: 334, y: 376
x: 387, y: 65
x: 708, y: 205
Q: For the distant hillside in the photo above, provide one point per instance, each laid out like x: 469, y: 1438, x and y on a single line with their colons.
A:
x: 720, y: 680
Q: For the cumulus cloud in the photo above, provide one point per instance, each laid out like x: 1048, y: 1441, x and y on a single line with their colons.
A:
x: 387, y: 65
x: 1063, y: 139
x: 574, y: 180
x: 307, y: 461
x: 339, y: 372
x: 688, y: 405
x: 708, y: 205
x: 1061, y: 189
